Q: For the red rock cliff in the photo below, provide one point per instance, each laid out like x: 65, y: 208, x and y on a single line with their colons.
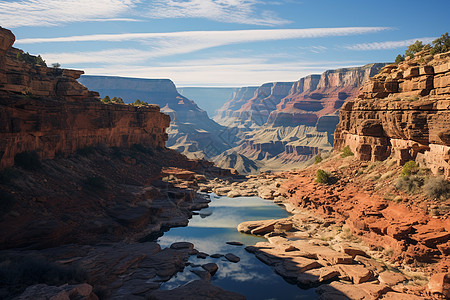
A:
x: 404, y: 112
x: 46, y: 110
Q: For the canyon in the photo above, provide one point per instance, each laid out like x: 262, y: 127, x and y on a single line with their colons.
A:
x: 87, y: 188
x: 283, y: 125
x: 198, y: 139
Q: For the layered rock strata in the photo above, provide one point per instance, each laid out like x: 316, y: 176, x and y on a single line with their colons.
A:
x: 191, y: 131
x: 286, y: 124
x: 46, y: 110
x: 404, y: 112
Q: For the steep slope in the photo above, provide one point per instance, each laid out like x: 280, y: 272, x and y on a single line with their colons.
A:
x: 191, y: 131
x: 285, y: 124
x: 402, y: 112
x: 46, y: 110
x: 238, y: 162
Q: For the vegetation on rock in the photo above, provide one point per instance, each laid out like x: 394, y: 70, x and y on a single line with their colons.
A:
x: 439, y: 45
x: 318, y: 159
x: 346, y: 152
x: 31, y: 59
x: 323, y: 176
x: 437, y: 188
x: 409, y: 168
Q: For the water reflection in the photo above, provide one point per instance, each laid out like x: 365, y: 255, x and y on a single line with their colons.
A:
x: 212, y: 228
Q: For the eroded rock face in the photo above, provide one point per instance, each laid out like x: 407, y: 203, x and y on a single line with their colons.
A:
x: 403, y: 111
x: 285, y: 124
x: 46, y: 110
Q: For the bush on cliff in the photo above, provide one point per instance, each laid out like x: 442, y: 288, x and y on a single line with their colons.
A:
x: 323, y: 176
x: 31, y: 59
x: 409, y: 184
x: 409, y: 168
x: 346, y: 152
x: 318, y: 159
x: 28, y: 160
x: 437, y: 188
x: 441, y: 44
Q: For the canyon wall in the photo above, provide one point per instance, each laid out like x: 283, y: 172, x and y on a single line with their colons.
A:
x: 403, y: 112
x: 191, y: 131
x: 283, y: 125
x: 46, y: 110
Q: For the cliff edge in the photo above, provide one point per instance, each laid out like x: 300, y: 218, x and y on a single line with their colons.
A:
x: 48, y: 111
x: 403, y: 112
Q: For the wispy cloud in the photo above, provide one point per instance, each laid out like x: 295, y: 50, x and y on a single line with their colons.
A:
x: 388, y: 45
x: 171, y: 43
x: 215, y: 37
x: 227, y: 11
x: 55, y: 12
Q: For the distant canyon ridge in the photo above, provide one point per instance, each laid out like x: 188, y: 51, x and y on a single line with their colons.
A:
x: 278, y: 125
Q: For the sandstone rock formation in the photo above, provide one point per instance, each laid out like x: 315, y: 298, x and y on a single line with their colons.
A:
x: 404, y: 112
x: 285, y: 124
x: 46, y: 110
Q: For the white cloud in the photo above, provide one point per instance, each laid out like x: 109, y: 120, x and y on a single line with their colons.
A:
x: 388, y: 45
x: 227, y: 11
x: 214, y: 38
x: 54, y: 12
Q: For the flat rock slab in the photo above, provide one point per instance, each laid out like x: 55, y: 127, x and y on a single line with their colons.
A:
x: 356, y: 273
x: 391, y: 278
x: 196, y: 290
x: 202, y: 255
x: 211, y: 268
x: 204, y: 275
x: 231, y: 257
x: 216, y: 255
x: 235, y: 243
x: 182, y: 245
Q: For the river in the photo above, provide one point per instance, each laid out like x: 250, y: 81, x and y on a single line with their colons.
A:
x: 212, y: 228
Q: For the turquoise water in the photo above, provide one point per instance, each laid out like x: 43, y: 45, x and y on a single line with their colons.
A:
x: 210, y: 231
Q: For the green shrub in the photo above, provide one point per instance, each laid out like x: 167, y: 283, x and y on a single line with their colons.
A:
x: 28, y: 160
x: 6, y: 201
x: 95, y: 183
x: 409, y: 184
x: 437, y: 188
x: 399, y: 58
x: 318, y: 159
x: 441, y: 44
x: 409, y: 168
x: 346, y: 152
x: 323, y: 176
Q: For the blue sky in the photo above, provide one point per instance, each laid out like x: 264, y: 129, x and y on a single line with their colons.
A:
x: 220, y: 42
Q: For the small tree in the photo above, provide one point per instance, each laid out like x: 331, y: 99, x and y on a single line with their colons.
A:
x: 414, y: 48
x: 56, y: 65
x: 106, y: 99
x: 318, y: 159
x: 399, y: 58
x: 409, y: 168
x: 441, y: 44
x: 323, y: 176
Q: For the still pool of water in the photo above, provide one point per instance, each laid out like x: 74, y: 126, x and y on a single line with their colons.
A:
x: 212, y: 228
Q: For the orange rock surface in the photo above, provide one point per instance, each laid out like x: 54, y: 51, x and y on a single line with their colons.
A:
x: 46, y: 110
x: 403, y: 111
